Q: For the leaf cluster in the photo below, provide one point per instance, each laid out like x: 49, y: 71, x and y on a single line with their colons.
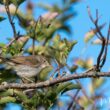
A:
x: 48, y: 42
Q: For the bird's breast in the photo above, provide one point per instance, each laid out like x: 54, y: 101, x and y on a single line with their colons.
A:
x: 26, y: 71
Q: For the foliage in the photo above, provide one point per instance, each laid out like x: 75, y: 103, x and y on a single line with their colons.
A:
x: 44, y: 31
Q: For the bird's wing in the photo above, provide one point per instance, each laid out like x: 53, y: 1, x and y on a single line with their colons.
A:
x: 26, y: 60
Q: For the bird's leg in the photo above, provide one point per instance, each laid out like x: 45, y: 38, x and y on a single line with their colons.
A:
x: 25, y: 79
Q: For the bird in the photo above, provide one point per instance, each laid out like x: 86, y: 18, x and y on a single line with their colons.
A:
x: 27, y: 67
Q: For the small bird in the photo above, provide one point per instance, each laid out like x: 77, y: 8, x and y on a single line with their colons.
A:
x: 27, y: 67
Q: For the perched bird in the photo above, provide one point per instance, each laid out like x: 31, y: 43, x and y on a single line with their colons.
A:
x: 27, y: 67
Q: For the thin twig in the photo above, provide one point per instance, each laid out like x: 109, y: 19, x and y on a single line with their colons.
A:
x: 106, y: 48
x: 33, y: 40
x: 33, y: 46
x: 78, y: 81
x: 11, y: 42
x: 103, y: 52
x: 98, y: 66
x: 10, y: 20
x: 73, y: 101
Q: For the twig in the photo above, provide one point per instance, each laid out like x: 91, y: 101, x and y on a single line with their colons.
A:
x: 54, y: 81
x: 33, y: 40
x: 33, y: 46
x: 103, y: 52
x: 73, y: 101
x: 12, y: 41
x: 10, y: 20
x: 106, y: 48
x: 82, y: 88
x: 57, y: 70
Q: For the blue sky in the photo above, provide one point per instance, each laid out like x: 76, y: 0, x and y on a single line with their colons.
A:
x: 79, y: 26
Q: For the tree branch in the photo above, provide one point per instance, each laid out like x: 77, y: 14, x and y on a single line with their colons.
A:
x: 103, y: 52
x: 10, y: 20
x: 48, y: 83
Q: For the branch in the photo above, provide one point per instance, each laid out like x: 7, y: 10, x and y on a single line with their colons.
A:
x: 73, y: 100
x: 10, y: 20
x: 12, y: 41
x: 104, y: 48
x: 48, y: 83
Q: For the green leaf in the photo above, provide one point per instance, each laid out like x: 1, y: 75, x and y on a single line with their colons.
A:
x: 17, y: 2
x: 71, y: 87
x: 23, y: 21
x: 64, y: 87
x: 86, y: 64
x: 20, y: 42
x: 89, y: 35
x: 14, y: 2
x: 38, y: 49
x: 70, y: 44
x: 21, y: 95
x: 2, y: 18
x: 45, y: 72
x: 56, y: 39
x: 65, y: 28
x: 98, y: 82
x: 8, y: 92
x: 51, y: 94
x: 73, y: 68
x: 7, y: 99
